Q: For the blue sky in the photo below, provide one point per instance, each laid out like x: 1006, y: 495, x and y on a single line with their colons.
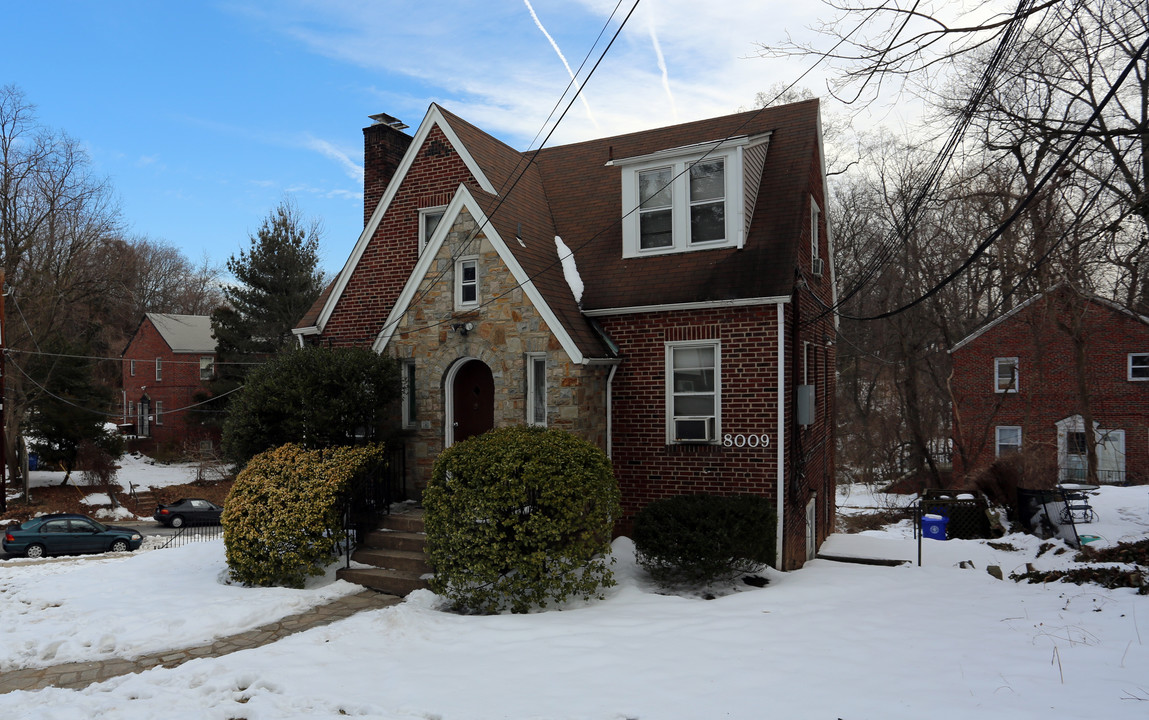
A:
x: 203, y: 115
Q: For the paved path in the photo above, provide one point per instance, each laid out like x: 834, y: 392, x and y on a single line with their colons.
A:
x: 80, y: 675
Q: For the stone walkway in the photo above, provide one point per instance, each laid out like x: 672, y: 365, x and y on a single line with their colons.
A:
x: 80, y: 675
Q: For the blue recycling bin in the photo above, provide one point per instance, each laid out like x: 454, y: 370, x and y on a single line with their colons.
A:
x: 934, y: 526
x: 33, y: 461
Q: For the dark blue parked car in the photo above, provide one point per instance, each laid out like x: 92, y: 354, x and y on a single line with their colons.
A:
x: 68, y: 534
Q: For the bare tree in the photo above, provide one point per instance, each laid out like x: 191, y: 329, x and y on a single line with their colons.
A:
x: 56, y: 222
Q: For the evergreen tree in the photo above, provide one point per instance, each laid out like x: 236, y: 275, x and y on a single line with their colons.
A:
x: 313, y: 396
x: 277, y: 281
x: 71, y: 410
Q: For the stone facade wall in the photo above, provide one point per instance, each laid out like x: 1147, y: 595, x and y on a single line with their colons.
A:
x: 506, y: 328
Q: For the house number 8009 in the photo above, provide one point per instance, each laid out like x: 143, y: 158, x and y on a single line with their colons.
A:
x: 753, y: 441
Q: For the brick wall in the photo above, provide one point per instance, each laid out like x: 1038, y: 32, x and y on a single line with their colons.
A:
x: 1041, y: 336
x: 391, y: 254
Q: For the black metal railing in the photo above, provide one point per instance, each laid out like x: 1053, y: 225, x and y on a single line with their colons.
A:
x: 193, y: 533
x: 1080, y: 475
x: 371, y: 496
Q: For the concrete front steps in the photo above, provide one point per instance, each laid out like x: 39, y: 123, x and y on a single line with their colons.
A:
x: 396, y: 553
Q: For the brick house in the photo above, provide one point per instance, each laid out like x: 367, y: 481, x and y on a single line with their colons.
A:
x: 685, y: 337
x: 1035, y: 378
x: 167, y: 363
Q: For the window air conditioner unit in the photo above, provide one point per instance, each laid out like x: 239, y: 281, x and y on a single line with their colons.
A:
x: 816, y: 267
x: 693, y: 429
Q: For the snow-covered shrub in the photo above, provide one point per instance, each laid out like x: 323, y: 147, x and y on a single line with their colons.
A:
x: 700, y: 539
x: 281, y: 520
x: 518, y: 517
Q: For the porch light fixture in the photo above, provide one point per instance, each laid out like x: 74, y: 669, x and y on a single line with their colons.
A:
x: 463, y: 328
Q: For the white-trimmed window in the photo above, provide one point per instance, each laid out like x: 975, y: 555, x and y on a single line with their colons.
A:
x: 410, y: 416
x: 132, y: 368
x: 129, y: 411
x: 681, y: 200
x: 693, y: 392
x: 815, y: 229
x: 537, y: 389
x: 1005, y: 374
x: 429, y: 220
x: 159, y: 412
x: 1008, y: 440
x: 467, y: 282
x: 159, y: 369
x: 206, y: 367
x: 1139, y: 366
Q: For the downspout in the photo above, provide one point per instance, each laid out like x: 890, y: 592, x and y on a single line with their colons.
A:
x: 610, y: 410
x: 780, y: 444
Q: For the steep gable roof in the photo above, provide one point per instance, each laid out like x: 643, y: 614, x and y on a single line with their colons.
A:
x: 585, y: 199
x: 570, y: 191
x: 1017, y: 309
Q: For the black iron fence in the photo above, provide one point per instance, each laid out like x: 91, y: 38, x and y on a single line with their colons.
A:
x: 1080, y: 475
x: 193, y: 533
x: 371, y: 496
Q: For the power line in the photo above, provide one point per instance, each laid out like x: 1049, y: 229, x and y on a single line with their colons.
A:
x: 716, y: 144
x: 1062, y: 157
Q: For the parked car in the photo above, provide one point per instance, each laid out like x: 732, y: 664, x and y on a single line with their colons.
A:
x: 188, y: 511
x: 68, y: 534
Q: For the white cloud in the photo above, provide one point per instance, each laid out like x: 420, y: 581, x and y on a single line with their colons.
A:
x: 489, y: 62
x: 353, y: 169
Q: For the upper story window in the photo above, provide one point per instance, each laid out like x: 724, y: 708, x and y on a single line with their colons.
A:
x: 1005, y: 375
x: 132, y: 368
x: 1139, y: 366
x: 815, y: 238
x: 159, y: 369
x: 206, y: 367
x: 428, y: 221
x: 466, y: 282
x: 683, y: 199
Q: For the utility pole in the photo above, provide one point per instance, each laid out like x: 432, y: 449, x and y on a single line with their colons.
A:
x: 3, y: 408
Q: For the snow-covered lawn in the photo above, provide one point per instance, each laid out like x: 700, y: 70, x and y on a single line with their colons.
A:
x: 831, y: 641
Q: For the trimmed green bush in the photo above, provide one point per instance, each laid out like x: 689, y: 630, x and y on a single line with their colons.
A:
x: 281, y: 520
x: 518, y: 517
x: 702, y: 539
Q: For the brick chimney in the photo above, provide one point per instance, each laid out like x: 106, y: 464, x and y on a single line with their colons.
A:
x: 384, y: 144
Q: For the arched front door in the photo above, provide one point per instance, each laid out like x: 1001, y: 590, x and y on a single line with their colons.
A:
x: 472, y: 400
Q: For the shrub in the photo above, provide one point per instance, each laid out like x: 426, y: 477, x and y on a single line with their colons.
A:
x: 518, y: 517
x: 700, y: 539
x: 281, y: 520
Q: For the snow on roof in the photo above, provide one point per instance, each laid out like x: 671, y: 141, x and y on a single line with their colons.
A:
x: 570, y: 270
x: 184, y: 333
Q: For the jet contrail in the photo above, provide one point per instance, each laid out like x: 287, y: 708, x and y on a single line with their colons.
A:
x: 578, y: 87
x: 661, y: 64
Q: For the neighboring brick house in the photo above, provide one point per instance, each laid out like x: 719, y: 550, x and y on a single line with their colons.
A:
x: 682, y: 337
x: 164, y: 371
x: 1037, y: 376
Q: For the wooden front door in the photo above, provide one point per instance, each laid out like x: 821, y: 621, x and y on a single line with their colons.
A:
x: 473, y: 400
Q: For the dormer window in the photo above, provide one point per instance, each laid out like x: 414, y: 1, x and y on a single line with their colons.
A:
x: 687, y: 198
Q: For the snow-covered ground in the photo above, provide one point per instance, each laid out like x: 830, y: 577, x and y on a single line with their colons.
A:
x: 832, y: 640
